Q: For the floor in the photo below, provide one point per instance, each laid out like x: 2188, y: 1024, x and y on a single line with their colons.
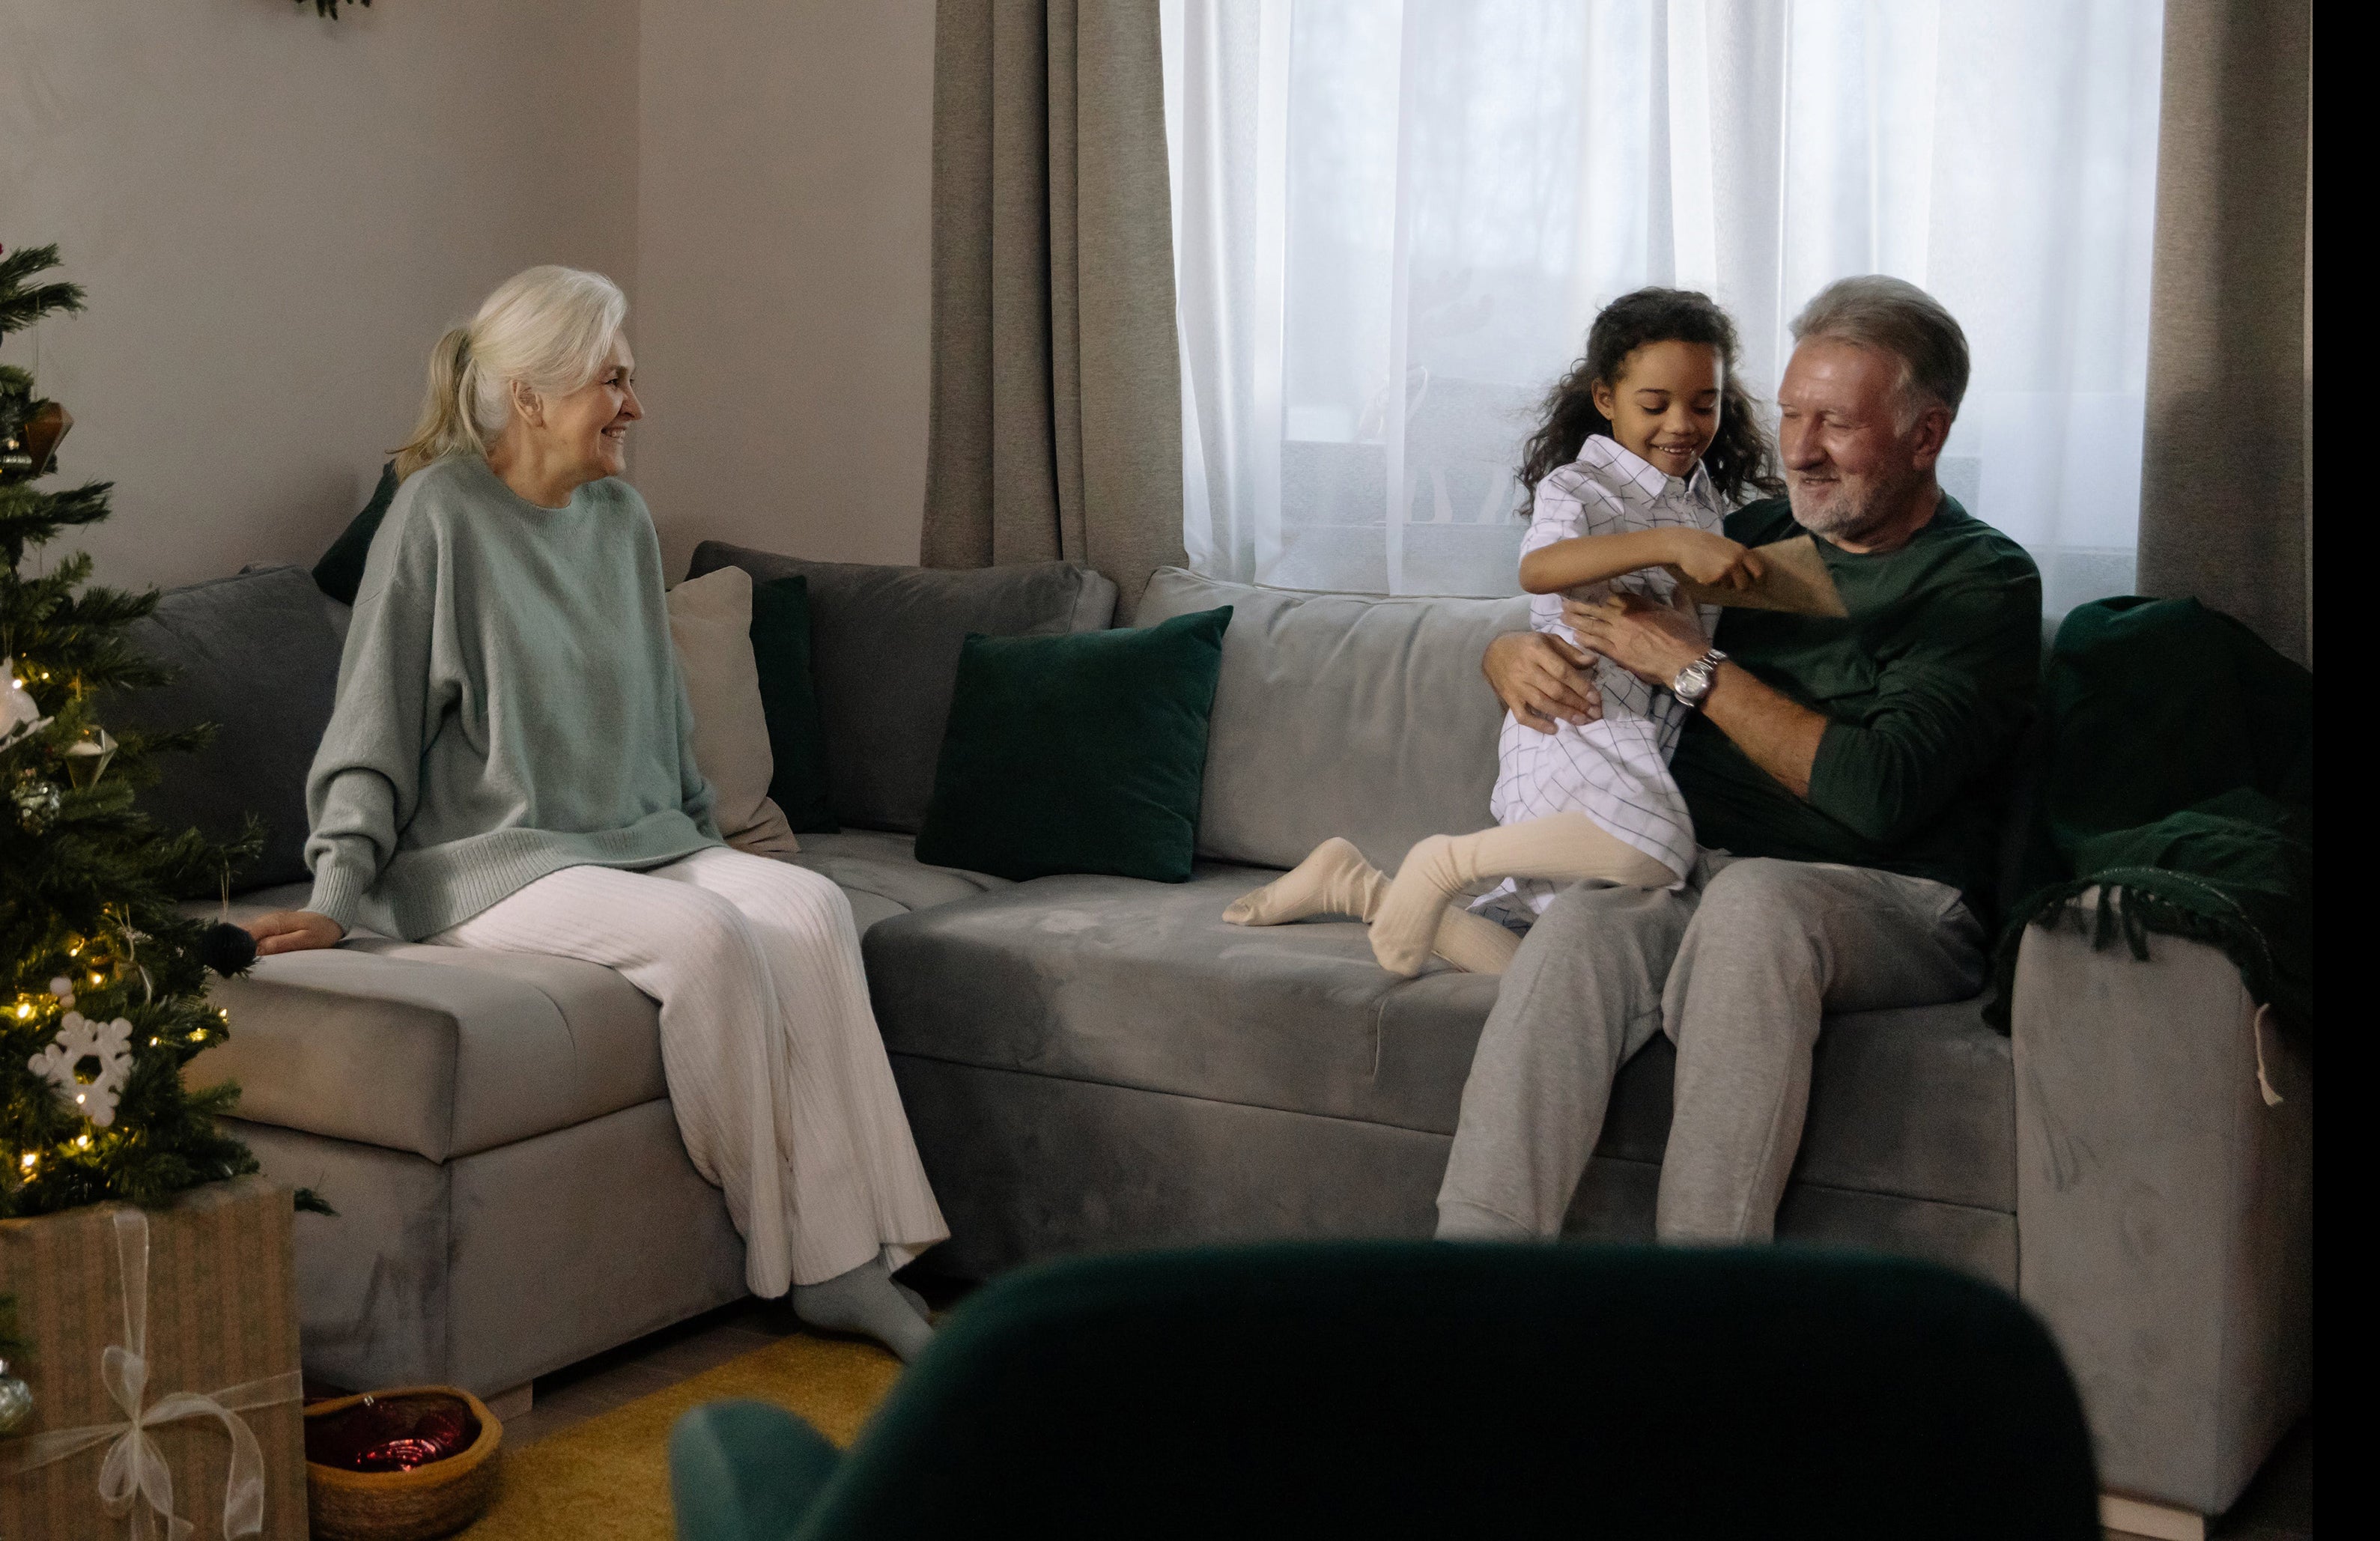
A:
x: 650, y: 1364
x: 2277, y: 1507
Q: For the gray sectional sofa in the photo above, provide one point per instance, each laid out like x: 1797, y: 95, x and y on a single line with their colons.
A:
x: 1094, y: 1062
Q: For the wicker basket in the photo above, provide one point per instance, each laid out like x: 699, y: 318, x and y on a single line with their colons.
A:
x: 432, y: 1500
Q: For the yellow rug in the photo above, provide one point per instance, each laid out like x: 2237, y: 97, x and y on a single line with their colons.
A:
x: 607, y: 1479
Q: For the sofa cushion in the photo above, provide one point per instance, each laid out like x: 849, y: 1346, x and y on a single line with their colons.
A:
x: 1078, y: 753
x: 884, y: 648
x: 438, y: 1050
x: 878, y: 872
x: 711, y: 623
x: 256, y: 656
x: 1338, y: 714
x: 1134, y: 984
x: 448, y: 1050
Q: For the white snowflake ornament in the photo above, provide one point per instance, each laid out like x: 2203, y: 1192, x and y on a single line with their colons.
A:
x: 81, y: 1038
x: 18, y: 714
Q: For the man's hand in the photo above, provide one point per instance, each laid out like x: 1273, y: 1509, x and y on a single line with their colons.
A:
x: 293, y: 931
x: 1542, y: 680
x: 1651, y: 641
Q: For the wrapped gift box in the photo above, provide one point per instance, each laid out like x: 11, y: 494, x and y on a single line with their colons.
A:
x: 222, y: 1318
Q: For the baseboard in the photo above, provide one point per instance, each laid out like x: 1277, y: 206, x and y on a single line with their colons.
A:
x: 2139, y: 1517
x: 512, y: 1403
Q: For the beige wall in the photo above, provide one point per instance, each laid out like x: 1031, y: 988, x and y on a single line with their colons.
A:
x: 781, y: 327
x: 275, y: 215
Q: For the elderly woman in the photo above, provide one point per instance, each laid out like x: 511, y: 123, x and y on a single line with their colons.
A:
x: 511, y: 766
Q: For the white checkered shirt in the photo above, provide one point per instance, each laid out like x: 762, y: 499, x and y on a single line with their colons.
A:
x: 1615, y: 770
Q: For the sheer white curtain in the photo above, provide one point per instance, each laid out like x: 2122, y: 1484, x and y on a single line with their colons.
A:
x: 1393, y: 222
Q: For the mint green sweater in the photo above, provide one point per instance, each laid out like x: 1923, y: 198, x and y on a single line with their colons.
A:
x: 509, y: 705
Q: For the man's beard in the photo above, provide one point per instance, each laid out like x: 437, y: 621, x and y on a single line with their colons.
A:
x: 1847, y: 515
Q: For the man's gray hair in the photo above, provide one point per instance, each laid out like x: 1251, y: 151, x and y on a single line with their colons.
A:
x: 1895, y: 316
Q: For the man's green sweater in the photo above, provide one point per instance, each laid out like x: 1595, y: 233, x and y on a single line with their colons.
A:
x: 1926, y: 684
x: 509, y: 705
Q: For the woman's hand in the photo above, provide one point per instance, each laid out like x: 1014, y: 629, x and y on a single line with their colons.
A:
x: 294, y: 931
x: 1542, y: 679
x: 1713, y: 560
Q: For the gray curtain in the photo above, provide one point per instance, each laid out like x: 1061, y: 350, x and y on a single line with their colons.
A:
x: 2226, y: 485
x: 1057, y: 396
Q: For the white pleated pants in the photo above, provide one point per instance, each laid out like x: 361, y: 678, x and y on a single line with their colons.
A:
x: 784, y: 1095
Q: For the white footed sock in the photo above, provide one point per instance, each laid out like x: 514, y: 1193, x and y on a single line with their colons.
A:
x: 865, y: 1300
x: 1409, y: 916
x: 1333, y: 880
x: 1336, y: 880
x: 1470, y: 942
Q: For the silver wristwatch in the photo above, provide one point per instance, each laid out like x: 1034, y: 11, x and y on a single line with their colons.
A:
x: 1694, y: 681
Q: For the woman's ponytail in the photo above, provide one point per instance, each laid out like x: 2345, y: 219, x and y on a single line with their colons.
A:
x: 547, y: 328
x: 446, y: 426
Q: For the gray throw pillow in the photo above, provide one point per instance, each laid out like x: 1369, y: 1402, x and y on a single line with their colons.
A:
x: 256, y: 656
x: 884, y: 652
x: 711, y: 623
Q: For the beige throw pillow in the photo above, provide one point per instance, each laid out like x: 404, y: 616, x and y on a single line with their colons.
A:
x: 711, y: 620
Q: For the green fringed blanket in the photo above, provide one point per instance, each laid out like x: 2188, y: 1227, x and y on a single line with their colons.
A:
x: 2179, y: 781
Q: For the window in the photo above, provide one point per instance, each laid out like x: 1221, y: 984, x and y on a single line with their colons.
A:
x: 1394, y: 223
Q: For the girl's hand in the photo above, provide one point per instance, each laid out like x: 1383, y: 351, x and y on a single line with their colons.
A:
x: 293, y: 931
x: 1713, y: 559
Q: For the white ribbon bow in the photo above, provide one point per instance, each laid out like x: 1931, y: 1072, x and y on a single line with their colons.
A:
x: 134, y: 1468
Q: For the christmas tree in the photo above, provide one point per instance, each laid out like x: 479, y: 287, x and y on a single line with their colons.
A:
x: 102, y: 992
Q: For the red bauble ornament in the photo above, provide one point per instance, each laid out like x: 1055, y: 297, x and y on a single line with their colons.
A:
x: 391, y: 1434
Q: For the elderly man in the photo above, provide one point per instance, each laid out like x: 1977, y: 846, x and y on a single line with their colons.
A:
x: 1842, y: 775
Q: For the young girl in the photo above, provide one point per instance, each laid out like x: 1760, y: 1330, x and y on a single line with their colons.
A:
x: 1648, y: 441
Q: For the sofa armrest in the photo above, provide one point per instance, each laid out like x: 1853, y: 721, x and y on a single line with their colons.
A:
x: 2165, y: 1205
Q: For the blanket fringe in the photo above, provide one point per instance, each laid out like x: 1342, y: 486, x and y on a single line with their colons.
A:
x: 2131, y: 902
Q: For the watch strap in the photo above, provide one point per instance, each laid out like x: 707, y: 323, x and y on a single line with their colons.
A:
x: 1694, y: 681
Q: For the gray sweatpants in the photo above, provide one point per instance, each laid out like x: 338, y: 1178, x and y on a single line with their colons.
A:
x: 1739, y: 967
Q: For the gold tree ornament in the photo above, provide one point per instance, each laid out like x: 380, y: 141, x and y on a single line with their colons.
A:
x: 37, y: 802
x: 37, y: 441
x: 87, y: 758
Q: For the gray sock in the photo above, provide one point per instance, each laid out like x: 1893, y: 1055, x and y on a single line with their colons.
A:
x: 916, y: 1302
x: 866, y: 1301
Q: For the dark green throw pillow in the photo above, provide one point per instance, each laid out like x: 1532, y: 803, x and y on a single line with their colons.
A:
x: 341, y: 571
x: 781, y: 648
x: 1082, y: 753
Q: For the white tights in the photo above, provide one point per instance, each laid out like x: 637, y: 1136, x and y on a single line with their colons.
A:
x: 1411, y: 916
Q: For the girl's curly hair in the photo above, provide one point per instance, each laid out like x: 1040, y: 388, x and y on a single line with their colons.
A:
x: 1740, y: 458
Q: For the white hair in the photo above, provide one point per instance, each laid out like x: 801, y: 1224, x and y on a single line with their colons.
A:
x: 549, y: 328
x: 1896, y: 317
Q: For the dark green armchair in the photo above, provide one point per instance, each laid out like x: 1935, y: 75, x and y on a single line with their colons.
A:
x: 1390, y: 1389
